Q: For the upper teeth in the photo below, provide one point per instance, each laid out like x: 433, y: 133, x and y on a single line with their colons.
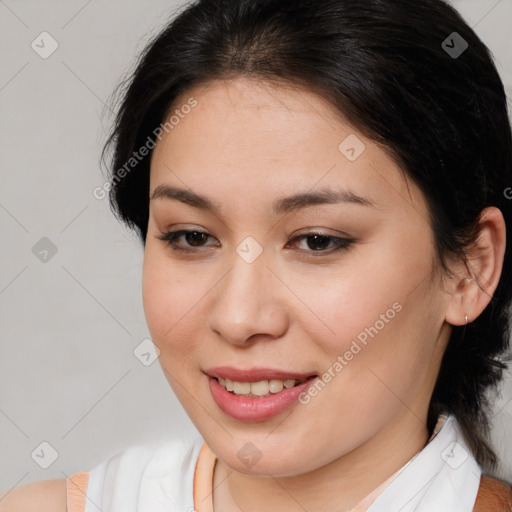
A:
x: 261, y: 388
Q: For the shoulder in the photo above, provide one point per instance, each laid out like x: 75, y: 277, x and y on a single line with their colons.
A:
x: 494, y: 494
x: 44, y: 496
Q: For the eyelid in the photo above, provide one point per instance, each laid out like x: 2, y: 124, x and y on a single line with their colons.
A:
x: 320, y: 231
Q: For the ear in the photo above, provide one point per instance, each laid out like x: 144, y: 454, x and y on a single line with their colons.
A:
x: 478, y: 279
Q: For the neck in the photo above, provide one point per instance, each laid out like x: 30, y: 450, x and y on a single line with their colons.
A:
x: 339, y: 485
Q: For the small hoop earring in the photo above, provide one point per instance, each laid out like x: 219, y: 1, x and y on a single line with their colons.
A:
x: 466, y: 318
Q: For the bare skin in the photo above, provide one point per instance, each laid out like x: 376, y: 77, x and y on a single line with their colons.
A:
x: 295, y: 307
x: 45, y: 496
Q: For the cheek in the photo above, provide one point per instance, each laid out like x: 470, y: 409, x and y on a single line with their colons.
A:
x: 169, y: 300
x: 386, y: 350
x: 375, y: 317
x: 351, y: 304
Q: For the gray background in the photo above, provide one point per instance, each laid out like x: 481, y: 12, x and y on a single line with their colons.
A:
x: 69, y: 326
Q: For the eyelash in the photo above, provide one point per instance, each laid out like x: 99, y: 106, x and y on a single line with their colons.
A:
x: 170, y: 237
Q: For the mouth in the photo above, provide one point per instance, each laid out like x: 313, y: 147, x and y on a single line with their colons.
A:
x: 257, y: 394
x: 261, y: 388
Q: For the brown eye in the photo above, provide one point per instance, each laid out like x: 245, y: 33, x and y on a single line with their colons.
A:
x: 196, y: 238
x: 192, y: 238
x: 323, y: 244
x: 318, y: 242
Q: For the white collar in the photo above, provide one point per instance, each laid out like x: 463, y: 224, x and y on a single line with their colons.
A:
x: 443, y: 477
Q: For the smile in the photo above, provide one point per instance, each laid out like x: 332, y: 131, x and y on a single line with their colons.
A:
x: 256, y: 394
x: 261, y: 388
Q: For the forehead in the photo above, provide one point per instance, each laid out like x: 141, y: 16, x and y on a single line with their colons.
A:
x: 256, y: 140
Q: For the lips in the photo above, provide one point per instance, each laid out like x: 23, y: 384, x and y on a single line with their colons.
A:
x: 248, y: 407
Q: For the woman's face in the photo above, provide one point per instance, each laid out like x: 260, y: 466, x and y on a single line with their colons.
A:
x: 309, y: 257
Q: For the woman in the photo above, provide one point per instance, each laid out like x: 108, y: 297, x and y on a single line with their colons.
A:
x: 320, y: 189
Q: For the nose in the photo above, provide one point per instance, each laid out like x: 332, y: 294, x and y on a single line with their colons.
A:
x: 248, y: 304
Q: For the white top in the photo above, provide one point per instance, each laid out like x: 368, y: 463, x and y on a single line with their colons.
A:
x: 146, y: 478
x: 159, y: 477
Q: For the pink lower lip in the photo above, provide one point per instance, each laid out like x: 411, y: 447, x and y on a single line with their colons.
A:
x: 244, y: 408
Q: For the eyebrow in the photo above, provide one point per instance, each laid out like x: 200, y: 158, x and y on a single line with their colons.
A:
x: 280, y: 206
